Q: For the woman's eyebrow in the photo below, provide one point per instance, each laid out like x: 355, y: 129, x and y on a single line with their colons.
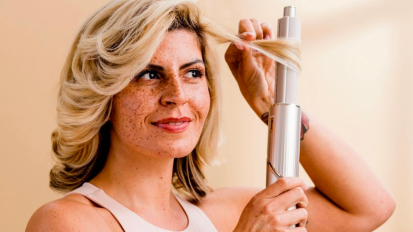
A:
x: 160, y: 68
x: 155, y: 67
x: 191, y: 63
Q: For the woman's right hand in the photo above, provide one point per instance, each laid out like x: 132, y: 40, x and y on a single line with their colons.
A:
x: 268, y: 210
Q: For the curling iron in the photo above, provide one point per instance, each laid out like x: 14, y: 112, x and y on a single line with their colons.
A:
x: 284, y: 121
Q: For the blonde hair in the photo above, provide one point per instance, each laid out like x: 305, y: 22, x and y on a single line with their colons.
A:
x: 114, y: 45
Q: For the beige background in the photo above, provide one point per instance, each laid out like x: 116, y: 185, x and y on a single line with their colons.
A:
x: 357, y: 79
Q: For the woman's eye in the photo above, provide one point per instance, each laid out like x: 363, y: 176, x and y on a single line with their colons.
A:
x: 193, y: 74
x: 148, y: 75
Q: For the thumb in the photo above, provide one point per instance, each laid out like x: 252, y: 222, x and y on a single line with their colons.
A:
x: 246, y: 53
x: 238, y: 57
x: 246, y: 63
x: 234, y: 56
x: 247, y: 50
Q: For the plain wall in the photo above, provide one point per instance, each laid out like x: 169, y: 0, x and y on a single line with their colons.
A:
x: 357, y: 79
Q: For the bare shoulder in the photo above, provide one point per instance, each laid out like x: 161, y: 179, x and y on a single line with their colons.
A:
x: 224, y: 206
x: 71, y: 213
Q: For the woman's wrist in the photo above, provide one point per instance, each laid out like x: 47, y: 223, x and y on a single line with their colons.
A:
x: 305, y: 122
x: 259, y: 104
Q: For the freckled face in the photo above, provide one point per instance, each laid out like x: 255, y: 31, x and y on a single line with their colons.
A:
x: 162, y: 112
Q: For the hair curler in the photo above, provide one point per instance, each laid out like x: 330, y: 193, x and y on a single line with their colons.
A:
x: 284, y: 121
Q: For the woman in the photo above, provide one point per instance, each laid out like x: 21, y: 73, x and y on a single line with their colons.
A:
x: 139, y: 109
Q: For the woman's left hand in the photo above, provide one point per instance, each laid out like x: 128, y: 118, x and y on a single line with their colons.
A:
x: 254, y: 72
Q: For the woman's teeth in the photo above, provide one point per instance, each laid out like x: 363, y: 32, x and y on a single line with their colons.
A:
x: 175, y: 123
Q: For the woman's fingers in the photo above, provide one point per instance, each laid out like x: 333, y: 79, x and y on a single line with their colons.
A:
x: 251, y: 29
x: 296, y: 217
x: 246, y: 30
x: 268, y: 210
x: 282, y: 185
x: 285, y: 201
x: 292, y: 217
x: 253, y: 70
x: 257, y: 28
x: 268, y: 32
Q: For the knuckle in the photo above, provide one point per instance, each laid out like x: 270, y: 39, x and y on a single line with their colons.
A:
x: 267, y: 210
x: 304, y: 213
x: 255, y: 200
x: 276, y: 221
x: 299, y: 191
x: 305, y: 200
x: 255, y: 197
x: 282, y: 182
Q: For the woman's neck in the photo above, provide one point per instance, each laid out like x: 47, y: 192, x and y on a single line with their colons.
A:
x: 137, y: 181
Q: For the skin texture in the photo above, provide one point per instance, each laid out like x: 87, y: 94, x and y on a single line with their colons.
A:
x: 171, y: 93
x: 138, y: 171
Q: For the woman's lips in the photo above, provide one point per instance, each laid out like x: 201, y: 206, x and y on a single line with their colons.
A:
x: 173, y: 125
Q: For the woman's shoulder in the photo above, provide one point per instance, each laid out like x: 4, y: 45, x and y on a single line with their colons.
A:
x: 224, y: 206
x: 70, y: 213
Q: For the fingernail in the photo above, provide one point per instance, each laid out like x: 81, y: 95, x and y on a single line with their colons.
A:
x: 248, y: 34
x: 307, y: 185
x: 239, y: 45
x: 267, y: 37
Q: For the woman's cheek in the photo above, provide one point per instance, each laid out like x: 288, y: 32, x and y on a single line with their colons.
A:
x: 129, y: 110
x: 201, y: 101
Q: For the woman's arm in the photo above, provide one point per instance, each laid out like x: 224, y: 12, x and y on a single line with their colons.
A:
x: 347, y: 196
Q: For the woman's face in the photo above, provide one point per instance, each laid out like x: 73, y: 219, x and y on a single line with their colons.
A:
x: 162, y: 112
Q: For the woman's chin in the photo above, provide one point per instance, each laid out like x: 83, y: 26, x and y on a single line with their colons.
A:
x: 179, y: 153
x: 176, y: 149
x: 172, y: 151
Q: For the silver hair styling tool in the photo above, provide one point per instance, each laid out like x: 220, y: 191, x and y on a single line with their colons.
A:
x: 284, y: 121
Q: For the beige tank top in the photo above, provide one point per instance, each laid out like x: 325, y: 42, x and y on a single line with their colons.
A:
x: 131, y: 222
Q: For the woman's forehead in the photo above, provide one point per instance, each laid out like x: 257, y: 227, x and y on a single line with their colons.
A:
x: 178, y: 46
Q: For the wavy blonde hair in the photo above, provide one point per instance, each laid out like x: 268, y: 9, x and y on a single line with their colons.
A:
x: 112, y: 46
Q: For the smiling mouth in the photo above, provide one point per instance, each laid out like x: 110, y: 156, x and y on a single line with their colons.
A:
x: 173, y: 125
x: 178, y: 123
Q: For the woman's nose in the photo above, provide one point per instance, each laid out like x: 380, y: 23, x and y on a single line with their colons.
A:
x: 173, y: 93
